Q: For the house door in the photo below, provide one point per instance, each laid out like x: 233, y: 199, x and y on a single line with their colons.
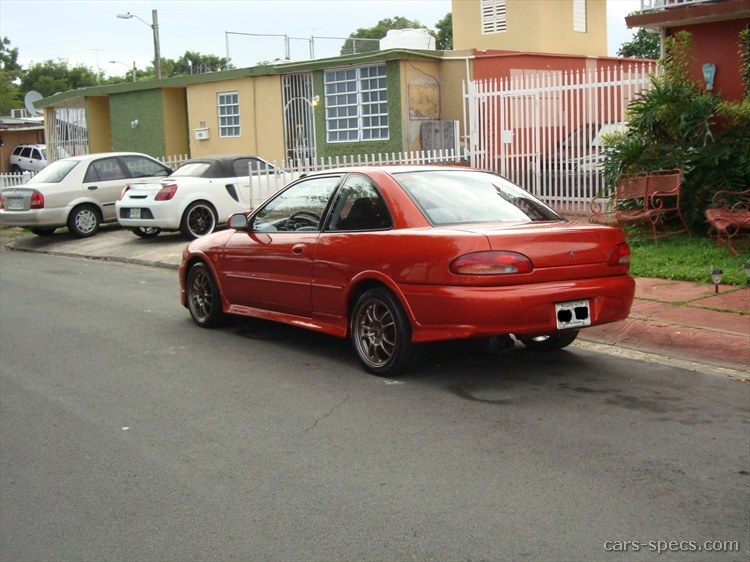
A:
x: 299, y: 118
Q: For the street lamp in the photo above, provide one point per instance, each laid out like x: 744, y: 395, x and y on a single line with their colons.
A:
x: 155, y: 27
x: 119, y: 61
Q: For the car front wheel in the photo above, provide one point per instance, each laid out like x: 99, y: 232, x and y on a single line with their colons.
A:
x: 551, y: 342
x: 204, y: 297
x: 381, y: 333
x: 84, y: 221
x: 198, y: 220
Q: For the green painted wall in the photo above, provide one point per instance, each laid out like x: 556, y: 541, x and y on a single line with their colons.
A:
x: 394, y: 142
x: 147, y: 107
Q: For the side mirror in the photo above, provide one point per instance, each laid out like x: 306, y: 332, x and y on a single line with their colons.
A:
x: 238, y: 221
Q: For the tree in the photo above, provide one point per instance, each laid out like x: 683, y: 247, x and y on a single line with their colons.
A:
x: 10, y: 71
x: 444, y: 28
x: 376, y: 32
x: 645, y: 45
x: 50, y: 77
x: 193, y: 63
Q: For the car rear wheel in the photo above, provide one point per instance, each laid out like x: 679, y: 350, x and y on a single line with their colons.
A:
x: 204, y: 297
x: 146, y: 231
x: 551, y: 342
x: 198, y: 220
x: 381, y: 333
x: 84, y: 221
x: 43, y: 231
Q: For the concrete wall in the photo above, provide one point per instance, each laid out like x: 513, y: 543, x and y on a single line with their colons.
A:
x: 175, y: 121
x: 98, y: 122
x: 537, y: 26
x: 138, y: 122
x: 261, y: 123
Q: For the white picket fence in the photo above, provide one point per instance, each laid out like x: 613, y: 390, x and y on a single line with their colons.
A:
x: 12, y: 180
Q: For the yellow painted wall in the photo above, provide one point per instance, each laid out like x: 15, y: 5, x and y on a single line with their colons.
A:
x: 539, y: 26
x: 175, y: 121
x: 98, y: 124
x: 261, y: 121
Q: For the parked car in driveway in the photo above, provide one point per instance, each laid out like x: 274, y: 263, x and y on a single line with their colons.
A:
x: 198, y: 196
x: 28, y: 158
x: 393, y: 257
x: 78, y: 192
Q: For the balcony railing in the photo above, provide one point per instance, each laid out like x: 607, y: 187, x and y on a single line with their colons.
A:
x: 656, y: 5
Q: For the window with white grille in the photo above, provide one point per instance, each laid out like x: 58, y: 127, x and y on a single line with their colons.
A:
x: 228, y: 104
x: 494, y: 16
x: 579, y: 16
x: 356, y: 102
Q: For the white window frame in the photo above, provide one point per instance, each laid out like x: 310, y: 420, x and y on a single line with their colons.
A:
x: 356, y: 104
x: 228, y: 110
x: 579, y: 16
x: 494, y: 16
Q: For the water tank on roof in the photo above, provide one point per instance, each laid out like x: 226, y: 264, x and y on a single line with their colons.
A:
x: 408, y: 39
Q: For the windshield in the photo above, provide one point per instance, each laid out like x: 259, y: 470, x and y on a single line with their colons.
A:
x: 55, y: 172
x: 191, y: 169
x: 462, y: 196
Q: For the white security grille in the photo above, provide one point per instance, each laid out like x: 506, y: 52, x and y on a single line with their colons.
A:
x: 544, y: 130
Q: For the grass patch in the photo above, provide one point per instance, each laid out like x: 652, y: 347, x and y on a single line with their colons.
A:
x: 685, y: 258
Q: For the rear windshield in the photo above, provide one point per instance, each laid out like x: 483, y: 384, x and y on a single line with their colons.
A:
x: 464, y: 196
x: 191, y: 169
x: 55, y: 172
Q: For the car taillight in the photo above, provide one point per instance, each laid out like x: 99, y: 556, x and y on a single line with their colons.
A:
x: 166, y: 193
x: 123, y: 192
x: 37, y: 200
x: 620, y: 255
x: 491, y: 263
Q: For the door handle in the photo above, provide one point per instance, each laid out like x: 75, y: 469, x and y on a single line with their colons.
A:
x: 299, y: 249
x: 93, y: 187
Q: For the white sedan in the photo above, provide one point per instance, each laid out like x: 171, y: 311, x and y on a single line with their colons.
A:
x: 200, y: 194
x: 78, y: 192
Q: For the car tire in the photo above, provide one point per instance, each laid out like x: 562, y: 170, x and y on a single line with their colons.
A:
x: 198, y: 220
x: 204, y: 297
x: 84, y: 221
x: 16, y: 169
x: 146, y: 231
x: 43, y: 231
x: 381, y: 333
x: 550, y: 342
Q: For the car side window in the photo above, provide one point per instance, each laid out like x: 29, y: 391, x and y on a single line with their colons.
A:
x: 26, y: 152
x: 258, y: 166
x: 36, y: 155
x: 105, y: 169
x: 359, y: 206
x: 140, y: 167
x: 298, y: 208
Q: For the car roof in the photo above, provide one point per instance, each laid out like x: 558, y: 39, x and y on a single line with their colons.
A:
x: 96, y: 155
x: 220, y: 165
x: 394, y: 169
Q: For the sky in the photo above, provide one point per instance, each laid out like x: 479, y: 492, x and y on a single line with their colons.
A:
x: 89, y: 32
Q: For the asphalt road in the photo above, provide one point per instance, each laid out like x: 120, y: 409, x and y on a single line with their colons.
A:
x: 127, y: 433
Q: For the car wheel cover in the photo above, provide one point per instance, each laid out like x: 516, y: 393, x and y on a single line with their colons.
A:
x: 86, y: 221
x: 201, y: 296
x: 376, y: 333
x: 200, y: 220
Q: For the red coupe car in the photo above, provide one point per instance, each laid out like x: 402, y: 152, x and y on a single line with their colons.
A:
x: 393, y: 257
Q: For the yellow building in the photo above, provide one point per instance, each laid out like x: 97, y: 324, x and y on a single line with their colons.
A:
x: 569, y: 27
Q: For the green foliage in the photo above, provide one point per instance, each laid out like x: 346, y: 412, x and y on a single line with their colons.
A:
x: 645, y: 45
x: 685, y: 258
x: 678, y: 124
x: 10, y: 70
x: 378, y: 31
x: 50, y: 77
x: 192, y: 62
x: 745, y: 59
x: 444, y: 29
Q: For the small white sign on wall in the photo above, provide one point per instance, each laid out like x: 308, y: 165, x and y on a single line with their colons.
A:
x: 201, y: 134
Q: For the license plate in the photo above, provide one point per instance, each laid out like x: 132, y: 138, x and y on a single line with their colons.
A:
x: 135, y: 213
x: 573, y: 314
x: 14, y: 203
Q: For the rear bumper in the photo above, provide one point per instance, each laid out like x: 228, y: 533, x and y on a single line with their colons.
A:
x: 164, y: 218
x: 441, y: 313
x: 41, y: 218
